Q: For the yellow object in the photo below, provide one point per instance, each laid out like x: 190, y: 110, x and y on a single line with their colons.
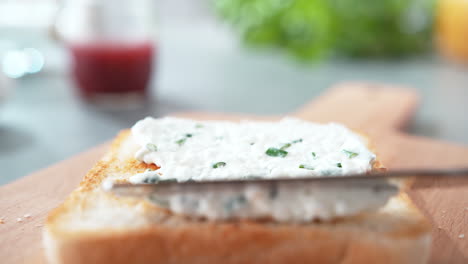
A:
x: 452, y: 29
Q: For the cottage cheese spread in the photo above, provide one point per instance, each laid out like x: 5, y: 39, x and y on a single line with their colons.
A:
x: 212, y: 150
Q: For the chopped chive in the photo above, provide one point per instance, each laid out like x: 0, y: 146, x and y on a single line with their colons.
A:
x: 350, y: 153
x: 285, y: 146
x: 198, y: 125
x: 314, y: 155
x: 307, y: 167
x: 219, y: 164
x: 339, y: 165
x: 274, y: 152
x: 151, y: 147
x: 181, y: 141
x: 152, y: 179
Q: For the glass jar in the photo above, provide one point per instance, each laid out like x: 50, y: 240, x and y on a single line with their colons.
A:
x: 112, y: 47
x: 452, y: 29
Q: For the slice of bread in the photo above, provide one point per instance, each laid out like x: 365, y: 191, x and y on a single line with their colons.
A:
x: 92, y: 226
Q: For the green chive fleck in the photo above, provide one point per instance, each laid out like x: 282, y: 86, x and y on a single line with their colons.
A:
x: 198, y: 126
x: 181, y: 141
x: 281, y: 152
x: 350, y: 153
x: 339, y: 165
x: 307, y: 167
x: 219, y: 164
x: 314, y: 155
x: 285, y: 146
x: 274, y: 152
x: 152, y: 179
x: 151, y: 147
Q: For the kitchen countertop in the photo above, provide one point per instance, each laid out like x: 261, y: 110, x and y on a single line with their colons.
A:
x: 206, y: 69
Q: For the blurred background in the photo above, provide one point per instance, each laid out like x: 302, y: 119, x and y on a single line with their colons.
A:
x: 75, y: 72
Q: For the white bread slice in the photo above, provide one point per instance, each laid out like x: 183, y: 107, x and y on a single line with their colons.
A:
x: 96, y: 227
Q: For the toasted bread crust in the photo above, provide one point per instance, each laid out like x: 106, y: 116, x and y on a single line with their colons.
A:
x: 175, y: 239
x: 243, y: 243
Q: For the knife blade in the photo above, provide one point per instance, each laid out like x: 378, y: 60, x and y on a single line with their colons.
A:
x: 378, y: 182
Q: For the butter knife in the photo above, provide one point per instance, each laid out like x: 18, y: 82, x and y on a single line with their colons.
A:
x: 378, y: 182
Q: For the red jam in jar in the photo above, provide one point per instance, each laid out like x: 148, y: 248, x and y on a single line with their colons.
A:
x: 112, y: 69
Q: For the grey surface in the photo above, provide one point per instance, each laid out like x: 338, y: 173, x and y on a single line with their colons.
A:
x: 204, y: 68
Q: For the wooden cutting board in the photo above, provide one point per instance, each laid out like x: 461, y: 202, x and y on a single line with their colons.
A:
x: 378, y: 110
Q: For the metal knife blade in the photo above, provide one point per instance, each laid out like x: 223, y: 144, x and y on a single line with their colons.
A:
x: 378, y: 182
